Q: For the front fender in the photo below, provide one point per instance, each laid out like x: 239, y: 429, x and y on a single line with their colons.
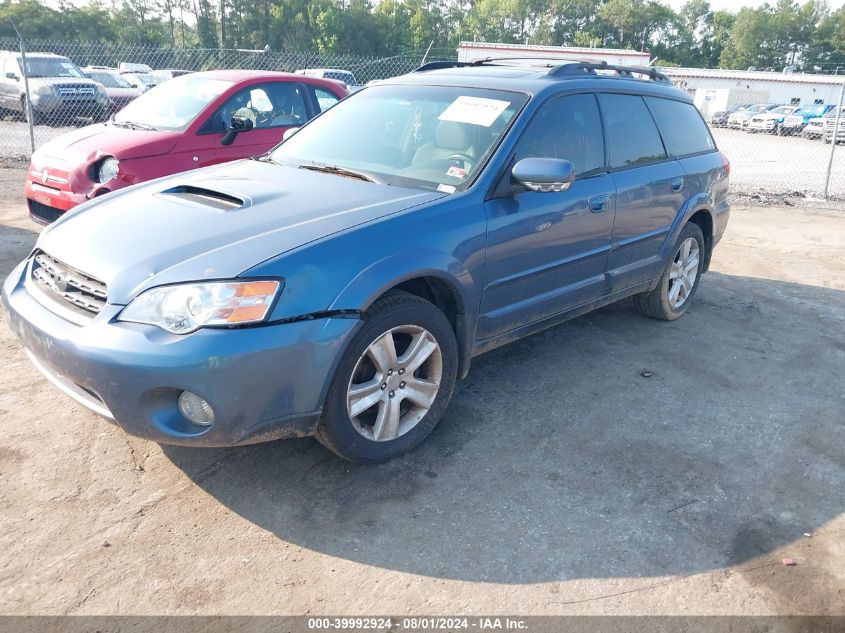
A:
x: 391, y: 271
x: 386, y: 273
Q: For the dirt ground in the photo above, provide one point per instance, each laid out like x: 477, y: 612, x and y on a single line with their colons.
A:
x: 561, y: 481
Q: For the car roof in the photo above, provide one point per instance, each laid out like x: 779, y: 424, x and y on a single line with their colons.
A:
x: 536, y: 80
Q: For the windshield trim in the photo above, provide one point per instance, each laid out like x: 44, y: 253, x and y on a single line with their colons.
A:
x: 482, y: 168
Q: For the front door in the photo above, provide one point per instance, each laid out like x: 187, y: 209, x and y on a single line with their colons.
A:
x: 546, y: 252
x: 272, y: 107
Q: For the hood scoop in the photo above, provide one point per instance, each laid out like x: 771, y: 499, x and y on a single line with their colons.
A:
x: 205, y: 197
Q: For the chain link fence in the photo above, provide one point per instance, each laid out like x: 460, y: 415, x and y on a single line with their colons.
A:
x: 60, y: 99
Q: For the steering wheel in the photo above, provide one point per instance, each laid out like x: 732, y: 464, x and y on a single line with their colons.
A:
x: 264, y: 119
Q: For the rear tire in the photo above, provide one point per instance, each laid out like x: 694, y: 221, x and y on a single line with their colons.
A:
x: 673, y: 294
x: 396, y: 377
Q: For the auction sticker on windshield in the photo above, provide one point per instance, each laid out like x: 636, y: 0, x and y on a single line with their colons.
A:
x: 474, y: 110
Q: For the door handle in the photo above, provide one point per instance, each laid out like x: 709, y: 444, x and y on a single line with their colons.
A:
x: 677, y: 184
x: 598, y: 203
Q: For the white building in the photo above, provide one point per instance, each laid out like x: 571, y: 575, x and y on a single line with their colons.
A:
x: 720, y: 88
x: 471, y: 51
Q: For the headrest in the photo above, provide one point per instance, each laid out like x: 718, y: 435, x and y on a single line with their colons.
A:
x: 452, y: 135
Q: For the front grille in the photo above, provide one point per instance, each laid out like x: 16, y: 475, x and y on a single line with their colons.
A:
x: 67, y: 285
x: 75, y: 91
x: 42, y: 213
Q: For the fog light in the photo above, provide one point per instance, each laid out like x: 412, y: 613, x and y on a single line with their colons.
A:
x: 196, y: 409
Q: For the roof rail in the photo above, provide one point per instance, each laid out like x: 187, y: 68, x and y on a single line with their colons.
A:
x: 441, y: 65
x: 590, y: 68
x: 475, y: 62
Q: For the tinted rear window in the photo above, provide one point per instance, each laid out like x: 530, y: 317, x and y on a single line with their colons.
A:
x: 632, y: 136
x: 683, y: 129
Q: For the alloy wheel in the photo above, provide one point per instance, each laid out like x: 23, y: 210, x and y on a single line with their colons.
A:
x: 395, y: 382
x: 683, y: 272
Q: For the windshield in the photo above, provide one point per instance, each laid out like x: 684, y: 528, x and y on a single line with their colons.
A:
x: 340, y: 75
x: 818, y: 110
x: 51, y: 67
x: 147, y: 79
x: 172, y: 108
x: 109, y: 80
x: 430, y: 137
x: 783, y: 110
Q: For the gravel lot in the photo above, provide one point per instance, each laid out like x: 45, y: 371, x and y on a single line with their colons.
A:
x: 560, y: 481
x: 759, y: 161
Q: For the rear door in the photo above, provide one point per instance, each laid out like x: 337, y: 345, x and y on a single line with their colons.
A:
x: 649, y: 189
x: 273, y: 107
x: 546, y: 252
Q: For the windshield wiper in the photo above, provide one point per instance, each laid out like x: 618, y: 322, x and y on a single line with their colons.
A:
x: 340, y: 171
x: 133, y: 125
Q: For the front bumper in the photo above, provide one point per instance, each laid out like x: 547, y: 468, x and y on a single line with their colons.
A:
x: 765, y: 126
x: 53, y: 188
x: 263, y: 383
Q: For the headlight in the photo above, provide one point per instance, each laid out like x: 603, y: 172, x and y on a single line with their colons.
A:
x: 185, y: 308
x: 108, y: 170
x: 44, y: 90
x: 102, y: 97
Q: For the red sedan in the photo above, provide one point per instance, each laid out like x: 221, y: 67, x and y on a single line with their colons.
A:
x: 188, y: 122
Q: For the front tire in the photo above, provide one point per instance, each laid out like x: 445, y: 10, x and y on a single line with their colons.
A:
x: 673, y: 294
x: 37, y: 117
x: 393, y: 382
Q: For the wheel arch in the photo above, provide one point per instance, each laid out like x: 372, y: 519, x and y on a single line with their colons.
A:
x: 436, y: 278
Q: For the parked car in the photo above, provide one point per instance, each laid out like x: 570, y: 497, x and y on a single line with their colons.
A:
x: 59, y: 92
x: 339, y: 285
x: 830, y: 124
x: 770, y: 120
x: 814, y: 128
x: 169, y: 73
x: 739, y: 120
x: 182, y: 126
x: 345, y: 76
x: 119, y: 91
x: 142, y: 81
x: 720, y: 117
x: 798, y: 120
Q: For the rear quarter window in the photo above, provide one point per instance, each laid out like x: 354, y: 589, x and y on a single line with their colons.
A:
x: 684, y: 131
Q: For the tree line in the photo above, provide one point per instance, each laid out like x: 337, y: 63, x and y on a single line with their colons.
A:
x: 809, y: 37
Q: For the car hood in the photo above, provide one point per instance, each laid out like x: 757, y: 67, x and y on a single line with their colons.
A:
x: 86, y: 144
x: 122, y: 93
x: 190, y: 226
x: 765, y: 116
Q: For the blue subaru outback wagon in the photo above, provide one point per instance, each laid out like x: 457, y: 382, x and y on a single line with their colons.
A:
x: 340, y: 284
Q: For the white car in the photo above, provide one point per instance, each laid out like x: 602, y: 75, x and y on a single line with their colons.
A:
x: 739, y: 120
x: 814, y: 128
x: 344, y: 76
x: 770, y: 120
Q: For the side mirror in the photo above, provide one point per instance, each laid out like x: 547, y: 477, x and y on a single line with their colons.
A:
x: 543, y: 174
x: 239, y: 124
x: 289, y: 132
x: 11, y: 76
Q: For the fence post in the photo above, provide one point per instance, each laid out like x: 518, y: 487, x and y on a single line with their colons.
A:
x: 833, y: 140
x: 27, y: 102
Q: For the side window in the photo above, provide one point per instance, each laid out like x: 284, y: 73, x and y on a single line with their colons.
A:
x: 325, y: 98
x: 268, y: 105
x: 632, y: 136
x: 682, y: 127
x: 567, y: 128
